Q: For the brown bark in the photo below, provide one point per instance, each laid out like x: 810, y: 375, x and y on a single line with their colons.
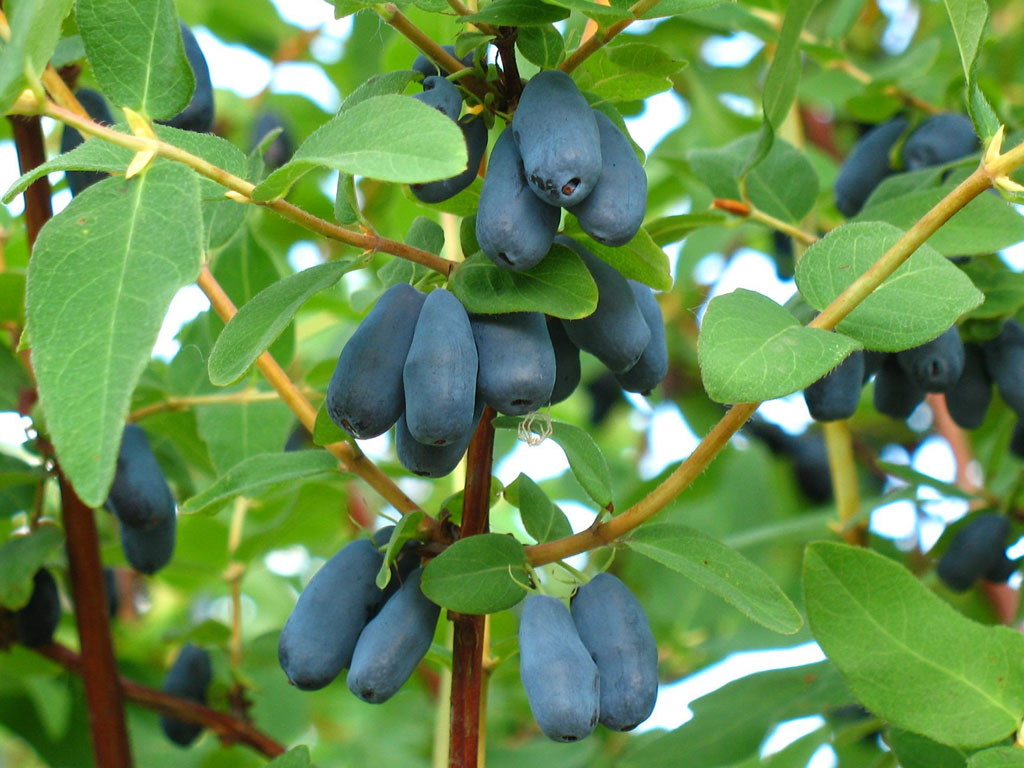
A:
x: 468, y: 644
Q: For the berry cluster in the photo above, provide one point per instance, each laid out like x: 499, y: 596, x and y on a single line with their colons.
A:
x: 342, y: 620
x: 421, y: 364
x: 977, y: 551
x: 596, y: 662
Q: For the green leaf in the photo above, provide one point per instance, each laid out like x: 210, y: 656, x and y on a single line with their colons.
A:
x: 262, y: 319
x: 915, y: 478
x: 560, y: 286
x: 13, y: 380
x: 478, y: 574
x: 517, y: 13
x: 541, y: 517
x: 586, y: 461
x: 257, y: 474
x: 390, y: 138
x: 730, y: 724
x: 296, y: 757
x: 997, y: 757
x: 969, y: 19
x: 679, y: 7
x: 909, y: 657
x: 604, y: 14
x: 627, y: 72
x: 20, y: 557
x: 235, y: 431
x: 35, y: 29
x: 920, y: 300
x: 783, y: 78
x: 137, y: 54
x: 326, y: 431
x: 751, y: 349
x: 917, y: 751
x: 1003, y: 288
x: 784, y: 184
x: 984, y: 225
x: 672, y: 229
x: 405, y: 530
x: 721, y: 570
x: 102, y: 275
x: 541, y: 45
x: 640, y: 259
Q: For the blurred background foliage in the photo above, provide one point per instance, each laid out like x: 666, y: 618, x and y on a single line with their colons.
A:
x: 749, y: 497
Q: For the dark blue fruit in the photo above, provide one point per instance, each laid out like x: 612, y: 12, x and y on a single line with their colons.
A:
x: 616, y: 332
x: 475, y: 132
x: 558, y: 139
x: 558, y: 674
x: 652, y: 366
x: 873, y: 360
x: 197, y: 116
x: 514, y: 227
x: 299, y: 439
x: 968, y: 400
x: 935, y: 366
x: 605, y: 393
x: 895, y: 394
x: 567, y: 361
x: 189, y: 678
x: 96, y: 106
x: 836, y: 394
x: 785, y: 261
x: 442, y: 95
x: 939, y: 139
x: 810, y: 465
x: 866, y: 166
x: 1004, y: 359
x: 393, y: 643
x: 428, y: 68
x: 432, y: 460
x: 366, y: 395
x: 36, y: 621
x: 516, y: 361
x: 318, y: 639
x: 976, y: 549
x: 614, y: 628
x: 614, y: 210
x: 280, y: 150
x: 440, y: 372
x: 139, y: 496
x: 149, y: 548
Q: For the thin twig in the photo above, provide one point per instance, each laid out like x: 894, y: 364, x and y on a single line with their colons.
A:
x: 464, y: 10
x: 228, y: 729
x: 590, y: 46
x: 191, y: 401
x: 845, y: 484
x: 748, y: 210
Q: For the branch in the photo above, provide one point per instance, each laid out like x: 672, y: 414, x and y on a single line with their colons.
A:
x: 243, y: 190
x: 506, y: 45
x: 595, y: 43
x: 28, y: 139
x: 401, y: 24
x: 845, y: 485
x: 183, y: 403
x: 463, y: 10
x: 468, y: 646
x: 229, y: 729
x: 751, y: 211
x: 994, y: 170
x: 103, y: 693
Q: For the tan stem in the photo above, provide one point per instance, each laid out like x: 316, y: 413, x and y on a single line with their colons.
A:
x: 593, y: 44
x: 845, y: 486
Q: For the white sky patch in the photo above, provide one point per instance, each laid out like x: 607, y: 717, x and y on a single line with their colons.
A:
x: 303, y: 255
x: 12, y: 428
x: 290, y: 561
x: 789, y: 412
x: 663, y: 113
x: 310, y: 14
x: 741, y: 105
x: 1014, y: 255
x: 736, y: 50
x: 580, y: 518
x: 9, y: 164
x: 669, y: 439
x: 307, y: 80
x: 673, y: 707
x: 539, y: 462
x: 896, y: 520
x: 185, y: 306
x: 228, y: 62
x: 789, y: 731
x: 935, y: 458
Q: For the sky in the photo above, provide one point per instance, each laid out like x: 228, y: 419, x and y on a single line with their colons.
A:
x: 669, y: 437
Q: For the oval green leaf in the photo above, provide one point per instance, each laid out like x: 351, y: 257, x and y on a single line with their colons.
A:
x: 478, y: 574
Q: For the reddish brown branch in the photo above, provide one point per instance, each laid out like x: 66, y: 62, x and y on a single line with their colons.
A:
x: 98, y: 666
x: 28, y: 138
x: 229, y: 729
x: 468, y: 647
